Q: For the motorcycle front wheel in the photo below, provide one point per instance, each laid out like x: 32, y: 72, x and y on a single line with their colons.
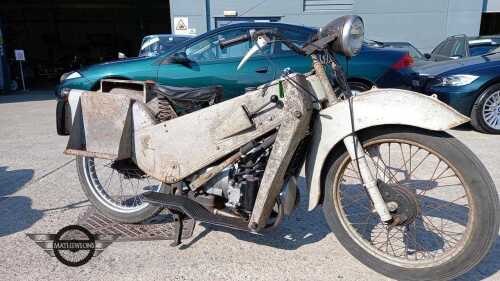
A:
x: 445, y: 201
x: 115, y: 189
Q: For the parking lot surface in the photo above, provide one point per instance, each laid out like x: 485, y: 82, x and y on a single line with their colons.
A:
x: 40, y: 193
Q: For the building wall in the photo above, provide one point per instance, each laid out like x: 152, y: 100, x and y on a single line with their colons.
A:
x: 424, y: 23
x: 491, y: 6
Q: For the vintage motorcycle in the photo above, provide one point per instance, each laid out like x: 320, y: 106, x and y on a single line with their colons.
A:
x: 402, y: 196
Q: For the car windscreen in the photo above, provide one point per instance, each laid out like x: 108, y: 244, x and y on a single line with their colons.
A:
x: 155, y: 45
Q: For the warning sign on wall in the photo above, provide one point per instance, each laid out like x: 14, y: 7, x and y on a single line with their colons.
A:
x: 181, y: 25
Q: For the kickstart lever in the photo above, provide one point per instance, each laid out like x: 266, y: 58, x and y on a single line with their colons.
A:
x: 273, y: 99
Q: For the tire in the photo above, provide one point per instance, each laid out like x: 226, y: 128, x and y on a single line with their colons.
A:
x: 483, y: 103
x: 107, y: 207
x: 358, y: 87
x: 481, y: 228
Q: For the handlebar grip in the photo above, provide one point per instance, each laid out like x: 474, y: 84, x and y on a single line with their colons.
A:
x: 234, y: 41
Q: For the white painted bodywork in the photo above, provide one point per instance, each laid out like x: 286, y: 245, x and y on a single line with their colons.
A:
x: 372, y: 108
x: 74, y: 102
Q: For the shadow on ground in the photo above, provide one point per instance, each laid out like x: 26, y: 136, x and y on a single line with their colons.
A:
x: 17, y: 213
x: 489, y: 266
x: 27, y: 96
x: 309, y: 227
x: 300, y: 229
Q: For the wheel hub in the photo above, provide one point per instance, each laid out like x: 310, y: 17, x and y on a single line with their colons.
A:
x: 127, y: 168
x: 402, y: 203
x: 491, y: 111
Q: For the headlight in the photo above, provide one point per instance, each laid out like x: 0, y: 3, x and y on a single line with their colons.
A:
x: 457, y: 80
x: 356, y: 35
x: 70, y: 75
x: 349, y: 32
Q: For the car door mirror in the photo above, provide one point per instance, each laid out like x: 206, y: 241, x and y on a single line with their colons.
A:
x: 179, y: 58
x: 428, y: 56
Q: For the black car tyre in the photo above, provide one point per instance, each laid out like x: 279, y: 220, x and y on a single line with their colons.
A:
x: 442, y: 238
x: 117, y: 195
x: 358, y: 87
x: 485, y: 115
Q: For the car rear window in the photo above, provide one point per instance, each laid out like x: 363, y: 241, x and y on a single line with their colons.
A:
x: 481, y: 49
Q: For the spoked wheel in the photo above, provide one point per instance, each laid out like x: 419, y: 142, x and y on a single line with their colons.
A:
x: 443, y: 202
x: 115, y: 188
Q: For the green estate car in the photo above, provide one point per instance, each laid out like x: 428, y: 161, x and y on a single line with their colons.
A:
x: 200, y: 61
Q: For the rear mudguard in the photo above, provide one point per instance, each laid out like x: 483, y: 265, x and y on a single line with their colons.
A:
x: 373, y: 108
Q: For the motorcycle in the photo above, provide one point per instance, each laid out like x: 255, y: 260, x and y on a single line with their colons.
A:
x: 401, y: 195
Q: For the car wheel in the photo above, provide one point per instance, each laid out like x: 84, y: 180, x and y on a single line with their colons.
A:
x: 486, y: 111
x: 358, y: 87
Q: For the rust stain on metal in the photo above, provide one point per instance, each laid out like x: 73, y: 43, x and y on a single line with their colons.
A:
x: 292, y: 130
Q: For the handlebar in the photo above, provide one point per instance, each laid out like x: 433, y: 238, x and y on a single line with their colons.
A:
x: 269, y: 32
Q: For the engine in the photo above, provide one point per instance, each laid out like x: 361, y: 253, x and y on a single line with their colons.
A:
x: 238, y: 184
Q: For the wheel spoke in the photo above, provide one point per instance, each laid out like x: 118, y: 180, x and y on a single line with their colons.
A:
x: 442, y: 219
x: 120, y: 190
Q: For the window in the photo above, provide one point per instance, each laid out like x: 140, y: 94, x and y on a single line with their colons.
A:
x: 439, y: 47
x: 299, y: 38
x: 447, y: 48
x: 454, y: 47
x: 209, y: 49
x: 459, y: 48
x: 481, y: 49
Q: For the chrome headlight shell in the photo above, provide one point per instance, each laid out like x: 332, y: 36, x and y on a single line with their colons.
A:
x: 353, y: 36
x: 456, y: 80
x: 349, y: 32
x: 70, y: 75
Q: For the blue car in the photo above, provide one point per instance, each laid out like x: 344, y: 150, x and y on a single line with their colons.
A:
x: 470, y: 85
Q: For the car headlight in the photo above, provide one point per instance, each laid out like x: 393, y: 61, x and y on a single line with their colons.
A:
x: 70, y: 75
x: 457, y: 80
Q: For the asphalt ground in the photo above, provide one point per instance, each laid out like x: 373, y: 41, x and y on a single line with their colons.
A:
x: 40, y: 193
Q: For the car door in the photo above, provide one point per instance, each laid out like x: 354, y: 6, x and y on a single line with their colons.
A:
x: 283, y: 57
x: 211, y: 65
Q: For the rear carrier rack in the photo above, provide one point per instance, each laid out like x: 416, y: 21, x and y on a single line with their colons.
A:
x: 101, y: 124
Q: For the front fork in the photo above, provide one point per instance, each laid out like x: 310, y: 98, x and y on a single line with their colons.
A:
x: 358, y: 155
x: 355, y: 149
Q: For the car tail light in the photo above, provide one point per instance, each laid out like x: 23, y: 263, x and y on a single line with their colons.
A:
x: 403, y: 62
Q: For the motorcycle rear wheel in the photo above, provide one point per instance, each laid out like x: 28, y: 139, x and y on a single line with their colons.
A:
x: 442, y: 238
x: 117, y: 195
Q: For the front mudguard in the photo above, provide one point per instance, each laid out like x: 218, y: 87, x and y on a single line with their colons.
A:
x: 373, y: 108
